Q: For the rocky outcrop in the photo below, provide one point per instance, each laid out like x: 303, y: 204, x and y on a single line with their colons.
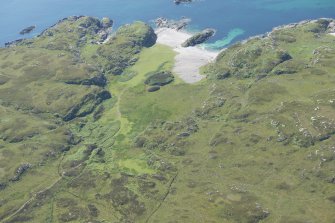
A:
x: 69, y: 19
x: 107, y: 22
x: 265, y: 55
x: 172, y: 24
x: 149, y: 37
x: 2, y: 186
x: 122, y: 49
x: 106, y: 29
x: 199, y: 38
x: 79, y: 30
x: 20, y: 171
x: 331, y: 26
x: 87, y: 105
x: 99, y: 80
x: 13, y: 43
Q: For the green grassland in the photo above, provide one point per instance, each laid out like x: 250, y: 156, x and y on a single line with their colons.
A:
x: 254, y: 142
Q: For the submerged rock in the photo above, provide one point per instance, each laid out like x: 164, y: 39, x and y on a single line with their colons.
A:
x: 199, y: 38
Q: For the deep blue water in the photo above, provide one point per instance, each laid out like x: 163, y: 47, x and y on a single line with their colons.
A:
x: 234, y: 19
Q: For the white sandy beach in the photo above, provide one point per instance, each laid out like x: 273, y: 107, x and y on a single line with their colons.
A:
x: 333, y: 34
x: 190, y: 59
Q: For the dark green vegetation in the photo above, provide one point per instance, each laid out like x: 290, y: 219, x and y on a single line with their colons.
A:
x: 258, y: 146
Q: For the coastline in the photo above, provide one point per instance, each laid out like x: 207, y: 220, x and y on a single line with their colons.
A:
x: 188, y: 60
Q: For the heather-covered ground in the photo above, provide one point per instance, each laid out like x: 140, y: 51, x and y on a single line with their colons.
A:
x: 82, y: 138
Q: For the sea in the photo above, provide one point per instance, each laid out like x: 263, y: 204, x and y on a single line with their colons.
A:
x: 234, y: 20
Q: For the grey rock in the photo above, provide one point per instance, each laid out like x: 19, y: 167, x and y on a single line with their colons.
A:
x: 20, y: 171
x: 172, y: 24
x: 199, y: 38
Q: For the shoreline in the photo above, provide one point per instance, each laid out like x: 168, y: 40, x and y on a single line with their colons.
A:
x: 188, y: 60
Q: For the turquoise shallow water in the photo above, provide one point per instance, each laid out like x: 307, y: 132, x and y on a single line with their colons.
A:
x: 234, y: 19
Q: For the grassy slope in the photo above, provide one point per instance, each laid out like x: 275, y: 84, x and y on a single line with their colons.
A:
x: 235, y: 150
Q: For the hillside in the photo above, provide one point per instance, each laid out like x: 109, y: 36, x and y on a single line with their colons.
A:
x: 86, y: 134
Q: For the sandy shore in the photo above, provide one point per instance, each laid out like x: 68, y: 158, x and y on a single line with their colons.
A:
x: 190, y: 59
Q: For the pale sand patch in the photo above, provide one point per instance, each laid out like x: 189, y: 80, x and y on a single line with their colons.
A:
x: 190, y: 59
x: 333, y: 34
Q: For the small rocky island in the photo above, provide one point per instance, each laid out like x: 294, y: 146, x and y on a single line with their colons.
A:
x: 199, y: 38
x: 177, y: 2
x: 27, y: 30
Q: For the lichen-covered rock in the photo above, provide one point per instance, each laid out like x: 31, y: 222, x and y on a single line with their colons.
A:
x: 20, y: 171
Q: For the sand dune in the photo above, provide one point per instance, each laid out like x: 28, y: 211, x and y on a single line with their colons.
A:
x: 190, y: 59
